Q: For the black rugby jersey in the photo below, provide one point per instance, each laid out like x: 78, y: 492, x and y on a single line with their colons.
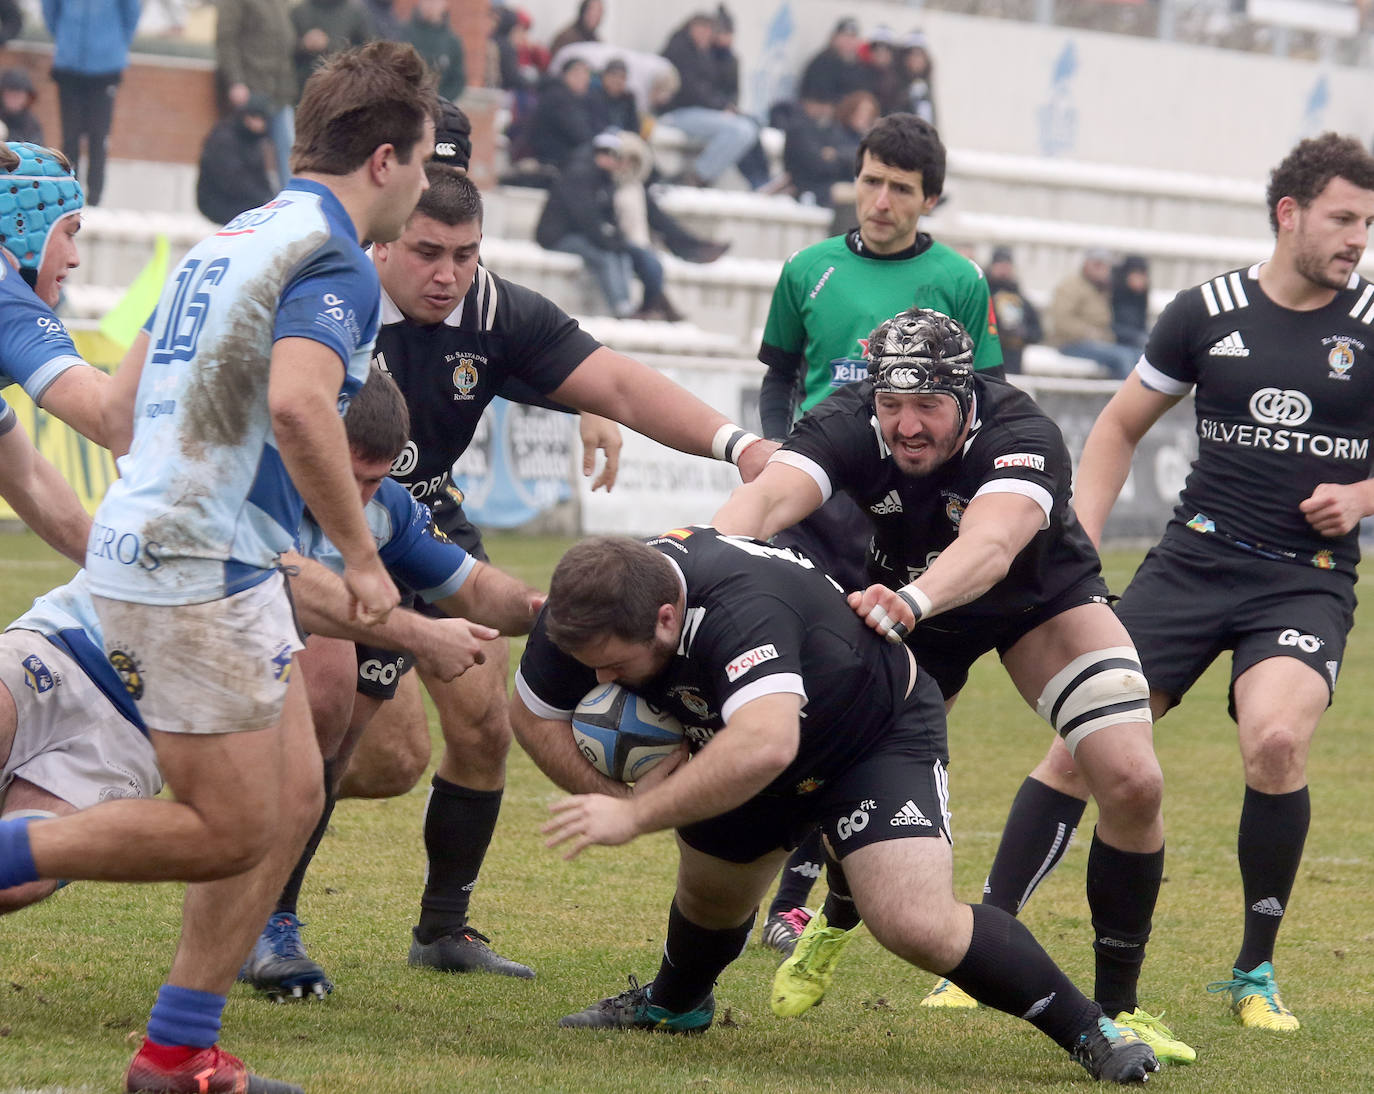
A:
x: 758, y: 621
x: 502, y: 335
x: 1012, y: 447
x: 1284, y: 400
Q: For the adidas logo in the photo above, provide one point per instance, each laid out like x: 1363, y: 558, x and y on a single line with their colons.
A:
x: 1267, y: 906
x: 909, y: 815
x: 888, y: 505
x: 1230, y: 346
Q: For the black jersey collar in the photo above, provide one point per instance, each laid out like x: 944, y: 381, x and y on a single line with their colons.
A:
x: 855, y: 243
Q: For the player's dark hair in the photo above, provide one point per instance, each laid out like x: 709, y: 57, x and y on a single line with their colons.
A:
x: 360, y: 99
x: 909, y: 143
x: 452, y: 197
x: 1312, y: 164
x: 608, y: 587
x: 377, y: 422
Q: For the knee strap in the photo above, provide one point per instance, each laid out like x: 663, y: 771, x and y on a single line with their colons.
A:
x: 1097, y: 689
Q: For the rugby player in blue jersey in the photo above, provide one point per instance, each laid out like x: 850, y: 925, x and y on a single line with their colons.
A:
x: 261, y: 336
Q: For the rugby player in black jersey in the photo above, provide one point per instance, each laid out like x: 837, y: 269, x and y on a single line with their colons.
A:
x: 966, y: 483
x: 738, y: 639
x: 1260, y: 554
x: 453, y: 336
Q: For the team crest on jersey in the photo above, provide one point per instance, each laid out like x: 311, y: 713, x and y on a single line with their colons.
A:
x: 954, y: 507
x: 1324, y: 560
x: 809, y: 785
x: 129, y: 672
x: 37, y: 676
x: 688, y: 697
x: 1341, y: 357
x: 464, y: 377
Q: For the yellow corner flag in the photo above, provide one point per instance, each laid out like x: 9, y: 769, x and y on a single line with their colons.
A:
x: 123, y: 322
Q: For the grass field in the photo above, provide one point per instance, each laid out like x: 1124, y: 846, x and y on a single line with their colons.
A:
x: 78, y: 974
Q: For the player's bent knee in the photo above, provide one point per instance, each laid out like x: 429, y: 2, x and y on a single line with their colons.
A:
x: 1103, y: 688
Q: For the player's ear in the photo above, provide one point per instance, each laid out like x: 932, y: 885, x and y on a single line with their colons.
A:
x: 667, y: 623
x: 1286, y: 211
x: 381, y: 162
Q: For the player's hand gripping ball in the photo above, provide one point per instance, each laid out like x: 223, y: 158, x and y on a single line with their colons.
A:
x: 621, y: 734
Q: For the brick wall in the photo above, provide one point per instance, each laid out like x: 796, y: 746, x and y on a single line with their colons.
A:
x: 165, y: 106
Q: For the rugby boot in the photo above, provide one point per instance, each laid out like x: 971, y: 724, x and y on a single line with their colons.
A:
x: 946, y: 993
x: 802, y: 980
x: 633, y: 1009
x: 209, y: 1071
x: 1151, y: 1029
x: 279, y: 965
x: 464, y: 950
x: 1255, y: 999
x: 781, y: 931
x: 1112, y: 1054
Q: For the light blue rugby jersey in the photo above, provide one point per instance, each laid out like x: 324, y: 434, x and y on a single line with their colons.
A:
x: 204, y: 505
x: 413, y: 550
x: 66, y: 617
x: 35, y: 348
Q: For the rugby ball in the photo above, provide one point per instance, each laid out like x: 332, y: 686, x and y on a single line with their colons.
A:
x: 621, y: 734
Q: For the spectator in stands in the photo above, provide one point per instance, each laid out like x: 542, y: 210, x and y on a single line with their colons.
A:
x: 1131, y: 301
x: 854, y: 117
x: 580, y: 218
x: 519, y: 63
x: 811, y: 153
x: 11, y: 20
x: 324, y: 28
x: 919, y: 68
x: 562, y: 121
x: 255, y: 55
x: 429, y: 32
x: 90, y: 52
x: 17, y: 96
x: 382, y: 15
x: 887, y: 77
x: 1081, y: 317
x: 233, y: 167
x: 581, y: 29
x: 836, y: 70
x: 704, y: 107
x: 1018, y: 321
x: 611, y: 102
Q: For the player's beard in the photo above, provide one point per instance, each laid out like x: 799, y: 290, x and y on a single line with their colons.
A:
x: 1315, y: 266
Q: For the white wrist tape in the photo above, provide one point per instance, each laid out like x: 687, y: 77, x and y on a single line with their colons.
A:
x: 730, y: 440
x: 894, y: 630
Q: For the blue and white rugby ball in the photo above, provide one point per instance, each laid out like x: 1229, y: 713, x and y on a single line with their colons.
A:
x: 621, y: 734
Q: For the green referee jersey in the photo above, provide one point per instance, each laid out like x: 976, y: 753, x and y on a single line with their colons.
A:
x: 830, y: 296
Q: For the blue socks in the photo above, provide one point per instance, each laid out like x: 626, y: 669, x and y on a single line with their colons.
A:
x: 184, y: 1016
x: 16, y: 857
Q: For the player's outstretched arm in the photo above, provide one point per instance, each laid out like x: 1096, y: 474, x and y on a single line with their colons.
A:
x: 78, y: 397
x: 41, y: 497
x: 445, y: 648
x: 1107, y: 453
x: 302, y: 397
x: 631, y: 393
x: 550, y: 744
x: 754, y: 748
x: 494, y: 597
x: 780, y: 496
x: 995, y: 528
